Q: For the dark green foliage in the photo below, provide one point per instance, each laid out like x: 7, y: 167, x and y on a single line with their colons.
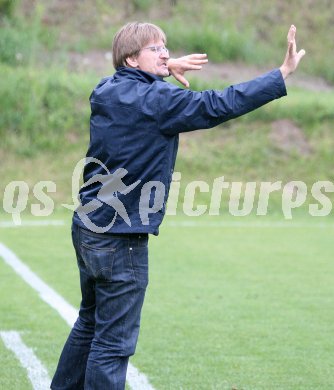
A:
x: 7, y: 7
x: 15, y: 43
x: 40, y: 108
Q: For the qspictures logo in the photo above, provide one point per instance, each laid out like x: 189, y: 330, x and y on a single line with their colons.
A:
x: 243, y: 198
x: 112, y: 186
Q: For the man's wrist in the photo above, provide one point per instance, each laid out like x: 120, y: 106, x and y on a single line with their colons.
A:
x: 169, y: 65
x: 285, y: 72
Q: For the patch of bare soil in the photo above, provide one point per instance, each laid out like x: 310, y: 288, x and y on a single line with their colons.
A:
x: 101, y: 63
x: 288, y: 137
x: 98, y: 61
x: 239, y: 72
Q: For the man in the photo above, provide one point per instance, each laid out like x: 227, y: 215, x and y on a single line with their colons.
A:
x: 135, y: 120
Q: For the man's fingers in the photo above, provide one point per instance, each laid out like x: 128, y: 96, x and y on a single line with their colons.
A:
x: 292, y: 57
x: 179, y: 66
x: 195, y: 67
x: 196, y: 59
x: 198, y: 56
x: 291, y: 33
x: 188, y: 67
x: 182, y: 80
x: 301, y: 53
x: 199, y: 62
x: 185, y: 82
x: 292, y: 44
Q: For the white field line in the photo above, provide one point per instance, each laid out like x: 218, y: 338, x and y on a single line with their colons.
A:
x: 135, y: 379
x: 10, y: 224
x: 37, y: 373
x: 47, y: 294
x: 229, y: 224
x: 190, y: 222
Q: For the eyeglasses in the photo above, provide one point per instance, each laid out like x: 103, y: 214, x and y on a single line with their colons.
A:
x: 157, y: 49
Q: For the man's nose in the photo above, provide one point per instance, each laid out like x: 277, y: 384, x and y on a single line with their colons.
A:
x: 164, y: 54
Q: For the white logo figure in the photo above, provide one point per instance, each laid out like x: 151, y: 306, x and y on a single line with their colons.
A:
x: 112, y: 184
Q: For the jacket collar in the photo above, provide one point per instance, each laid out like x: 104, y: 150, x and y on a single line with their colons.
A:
x: 136, y: 74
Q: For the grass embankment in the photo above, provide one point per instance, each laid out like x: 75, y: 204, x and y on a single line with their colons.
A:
x: 45, y: 110
x: 253, y: 32
x: 44, y: 128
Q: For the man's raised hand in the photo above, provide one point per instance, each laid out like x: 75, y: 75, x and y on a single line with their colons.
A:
x: 292, y: 57
x: 178, y: 66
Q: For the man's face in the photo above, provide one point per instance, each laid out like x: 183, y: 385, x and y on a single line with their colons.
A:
x: 153, y: 59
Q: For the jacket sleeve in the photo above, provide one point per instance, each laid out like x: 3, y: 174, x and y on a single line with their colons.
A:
x: 182, y: 110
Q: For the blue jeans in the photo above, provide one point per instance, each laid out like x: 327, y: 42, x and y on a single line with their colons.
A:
x: 113, y: 277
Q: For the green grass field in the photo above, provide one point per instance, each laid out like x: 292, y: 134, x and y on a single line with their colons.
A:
x: 232, y: 303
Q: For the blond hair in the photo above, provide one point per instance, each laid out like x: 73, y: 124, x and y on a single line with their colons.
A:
x: 131, y: 38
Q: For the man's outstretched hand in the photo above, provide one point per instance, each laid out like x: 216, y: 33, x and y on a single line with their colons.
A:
x: 292, y: 57
x: 178, y: 66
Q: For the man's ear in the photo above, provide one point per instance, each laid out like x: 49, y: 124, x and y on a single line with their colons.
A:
x: 132, y: 62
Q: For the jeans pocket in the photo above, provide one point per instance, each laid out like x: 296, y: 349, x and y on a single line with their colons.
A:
x: 139, y: 261
x: 97, y: 252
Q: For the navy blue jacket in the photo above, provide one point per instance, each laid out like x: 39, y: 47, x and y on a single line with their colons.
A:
x: 135, y: 121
